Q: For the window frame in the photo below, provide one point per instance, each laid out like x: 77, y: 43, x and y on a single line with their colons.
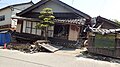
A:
x: 2, y: 18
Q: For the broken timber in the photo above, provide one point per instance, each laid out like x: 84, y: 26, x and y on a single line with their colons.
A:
x: 46, y: 44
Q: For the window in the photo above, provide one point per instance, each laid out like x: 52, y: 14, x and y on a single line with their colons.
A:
x: 28, y: 30
x: 50, y: 31
x: 28, y: 27
x: 38, y: 32
x: 28, y: 24
x: 2, y: 18
x: 33, y: 25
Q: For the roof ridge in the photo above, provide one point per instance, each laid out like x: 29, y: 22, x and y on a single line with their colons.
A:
x: 59, y: 2
x: 73, y: 8
x: 109, y: 21
x: 22, y: 3
x: 16, y: 5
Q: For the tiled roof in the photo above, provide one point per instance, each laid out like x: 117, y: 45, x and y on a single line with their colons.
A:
x: 72, y: 21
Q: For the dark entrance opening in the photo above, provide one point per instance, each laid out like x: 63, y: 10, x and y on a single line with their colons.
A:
x: 61, y: 31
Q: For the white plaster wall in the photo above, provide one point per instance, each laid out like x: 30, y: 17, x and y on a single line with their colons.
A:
x: 54, y: 6
x: 7, y: 12
x: 73, y: 34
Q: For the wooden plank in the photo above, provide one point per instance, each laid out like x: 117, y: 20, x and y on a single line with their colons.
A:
x: 49, y: 47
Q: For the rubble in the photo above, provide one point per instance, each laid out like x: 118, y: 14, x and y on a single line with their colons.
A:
x: 38, y: 46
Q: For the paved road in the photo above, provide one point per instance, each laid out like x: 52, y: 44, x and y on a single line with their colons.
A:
x: 10, y: 58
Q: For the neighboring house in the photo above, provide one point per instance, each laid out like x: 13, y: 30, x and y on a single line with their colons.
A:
x: 69, y: 21
x: 105, y: 23
x: 107, y: 44
x: 8, y: 13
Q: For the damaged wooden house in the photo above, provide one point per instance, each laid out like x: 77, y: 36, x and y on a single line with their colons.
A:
x: 104, y: 38
x: 69, y: 22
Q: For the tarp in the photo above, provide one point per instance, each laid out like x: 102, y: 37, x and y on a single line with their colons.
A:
x: 4, y: 38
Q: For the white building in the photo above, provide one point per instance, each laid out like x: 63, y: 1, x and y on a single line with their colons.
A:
x: 8, y: 13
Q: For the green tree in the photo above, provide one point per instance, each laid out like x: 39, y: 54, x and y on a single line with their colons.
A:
x: 46, y: 17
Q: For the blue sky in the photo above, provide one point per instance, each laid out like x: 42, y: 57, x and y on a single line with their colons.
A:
x: 105, y: 8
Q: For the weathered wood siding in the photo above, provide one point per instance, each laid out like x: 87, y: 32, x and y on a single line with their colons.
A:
x: 107, y: 51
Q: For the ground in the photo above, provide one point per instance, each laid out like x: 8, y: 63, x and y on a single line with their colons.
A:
x: 13, y: 58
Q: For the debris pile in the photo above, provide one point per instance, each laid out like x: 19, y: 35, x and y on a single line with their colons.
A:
x: 38, y: 46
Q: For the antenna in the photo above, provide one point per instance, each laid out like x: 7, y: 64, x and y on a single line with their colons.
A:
x: 72, y: 2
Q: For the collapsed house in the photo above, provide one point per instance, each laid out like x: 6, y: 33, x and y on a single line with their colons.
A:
x: 69, y: 22
x: 104, y: 38
x: 70, y: 26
